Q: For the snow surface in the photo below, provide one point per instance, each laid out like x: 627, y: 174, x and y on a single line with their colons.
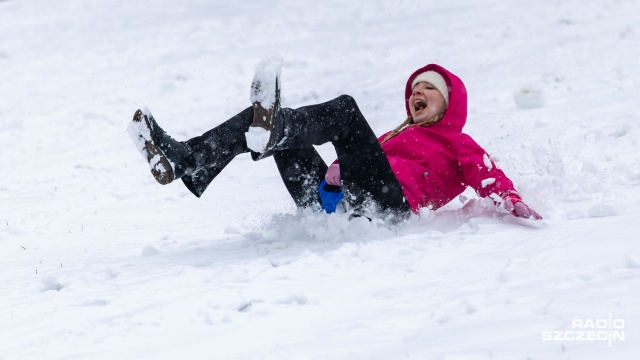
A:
x: 100, y: 262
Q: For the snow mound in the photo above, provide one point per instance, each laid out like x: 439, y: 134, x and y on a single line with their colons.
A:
x: 602, y: 210
x: 328, y: 228
x: 529, y: 97
x: 149, y: 250
x: 51, y: 283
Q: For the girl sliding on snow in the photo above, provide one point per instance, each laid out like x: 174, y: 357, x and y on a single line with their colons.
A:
x: 425, y: 162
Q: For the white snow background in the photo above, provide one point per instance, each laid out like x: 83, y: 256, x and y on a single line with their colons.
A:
x: 98, y: 261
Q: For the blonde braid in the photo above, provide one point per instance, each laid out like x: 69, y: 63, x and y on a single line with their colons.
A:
x: 399, y: 129
x: 408, y: 123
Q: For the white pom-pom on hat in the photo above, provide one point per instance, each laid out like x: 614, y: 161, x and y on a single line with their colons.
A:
x: 434, y: 79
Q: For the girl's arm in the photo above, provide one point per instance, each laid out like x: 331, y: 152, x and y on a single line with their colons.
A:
x: 481, y: 173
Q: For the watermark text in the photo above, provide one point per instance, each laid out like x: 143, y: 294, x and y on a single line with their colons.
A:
x: 608, y: 330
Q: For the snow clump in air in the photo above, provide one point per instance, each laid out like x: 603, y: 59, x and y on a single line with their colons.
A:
x: 487, y: 161
x: 487, y: 182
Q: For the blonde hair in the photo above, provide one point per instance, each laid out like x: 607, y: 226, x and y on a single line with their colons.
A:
x: 409, y: 123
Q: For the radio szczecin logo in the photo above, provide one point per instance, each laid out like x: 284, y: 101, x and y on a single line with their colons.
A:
x: 608, y: 330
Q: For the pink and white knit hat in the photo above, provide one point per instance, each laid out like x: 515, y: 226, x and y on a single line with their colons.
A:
x: 434, y: 79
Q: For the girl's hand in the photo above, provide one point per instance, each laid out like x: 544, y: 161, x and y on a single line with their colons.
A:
x: 518, y: 208
x: 332, y: 176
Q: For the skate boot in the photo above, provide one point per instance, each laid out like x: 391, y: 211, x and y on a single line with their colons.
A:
x: 167, y: 158
x: 267, y: 129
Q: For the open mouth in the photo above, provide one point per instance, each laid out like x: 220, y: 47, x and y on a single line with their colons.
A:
x: 419, y: 105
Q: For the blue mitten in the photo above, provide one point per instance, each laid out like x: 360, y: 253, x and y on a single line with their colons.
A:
x: 330, y: 196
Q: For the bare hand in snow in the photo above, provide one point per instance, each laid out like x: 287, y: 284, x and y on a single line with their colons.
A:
x: 332, y: 176
x: 520, y: 209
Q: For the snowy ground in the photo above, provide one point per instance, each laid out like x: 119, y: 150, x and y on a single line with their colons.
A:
x: 97, y: 261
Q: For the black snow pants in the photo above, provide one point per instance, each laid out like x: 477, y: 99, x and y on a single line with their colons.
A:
x: 364, y: 168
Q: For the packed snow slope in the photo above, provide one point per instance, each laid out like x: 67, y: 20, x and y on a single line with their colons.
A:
x: 97, y: 261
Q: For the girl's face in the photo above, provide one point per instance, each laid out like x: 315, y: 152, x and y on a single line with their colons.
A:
x: 426, y: 103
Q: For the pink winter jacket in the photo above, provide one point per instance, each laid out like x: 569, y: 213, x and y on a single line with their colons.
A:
x: 435, y: 163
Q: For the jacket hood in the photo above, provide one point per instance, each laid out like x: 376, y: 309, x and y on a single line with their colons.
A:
x: 456, y: 114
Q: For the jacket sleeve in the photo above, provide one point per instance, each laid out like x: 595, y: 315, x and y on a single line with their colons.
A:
x: 480, y: 172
